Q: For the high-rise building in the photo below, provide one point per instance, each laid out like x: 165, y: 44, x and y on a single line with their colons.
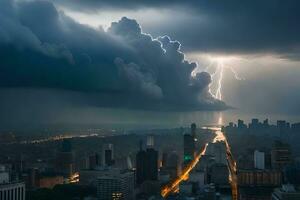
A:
x: 193, y: 130
x: 116, y: 186
x: 164, y: 160
x: 108, y: 155
x: 189, y: 147
x: 141, y: 162
x: 147, y: 163
x: 280, y: 155
x: 152, y: 164
x: 93, y: 161
x: 259, y: 160
x: 150, y: 141
x: 65, y: 159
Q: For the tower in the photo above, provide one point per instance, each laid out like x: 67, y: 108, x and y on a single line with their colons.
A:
x: 189, y: 145
x: 147, y: 162
x: 108, y: 155
x: 65, y: 159
x: 193, y: 130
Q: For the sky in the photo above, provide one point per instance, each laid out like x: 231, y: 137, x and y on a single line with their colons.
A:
x: 148, y: 55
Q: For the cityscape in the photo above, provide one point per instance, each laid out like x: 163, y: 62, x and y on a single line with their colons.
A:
x: 149, y: 100
x: 209, y: 163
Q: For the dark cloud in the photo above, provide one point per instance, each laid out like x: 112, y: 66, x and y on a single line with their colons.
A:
x: 43, y: 48
x: 234, y: 26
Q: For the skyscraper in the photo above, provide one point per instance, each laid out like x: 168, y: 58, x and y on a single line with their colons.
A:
x: 147, y: 163
x: 141, y: 159
x: 189, y: 145
x: 152, y: 164
x: 193, y: 130
x: 259, y: 160
x: 65, y: 159
x: 188, y: 148
x: 108, y: 155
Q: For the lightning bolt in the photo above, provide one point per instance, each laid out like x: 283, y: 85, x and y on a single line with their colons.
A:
x: 236, y: 75
x: 218, y: 74
x: 218, y: 94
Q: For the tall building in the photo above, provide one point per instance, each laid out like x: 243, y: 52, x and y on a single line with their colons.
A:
x: 141, y: 162
x: 150, y: 141
x: 152, y: 164
x: 189, y: 147
x: 259, y: 160
x: 147, y: 163
x: 193, y: 130
x: 280, y: 155
x: 116, y: 186
x: 93, y: 161
x: 108, y: 155
x: 65, y: 159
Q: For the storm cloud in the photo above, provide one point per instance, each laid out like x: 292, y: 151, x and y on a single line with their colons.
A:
x: 41, y: 47
x: 249, y: 27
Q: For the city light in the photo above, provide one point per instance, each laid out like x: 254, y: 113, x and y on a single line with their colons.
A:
x: 173, y: 186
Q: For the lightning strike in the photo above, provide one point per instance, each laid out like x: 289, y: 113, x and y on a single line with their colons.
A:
x: 218, y: 74
x: 218, y: 94
x: 236, y: 75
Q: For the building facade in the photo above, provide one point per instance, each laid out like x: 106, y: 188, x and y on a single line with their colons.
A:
x: 12, y: 191
x: 116, y: 186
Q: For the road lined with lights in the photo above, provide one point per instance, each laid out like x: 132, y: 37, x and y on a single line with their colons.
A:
x: 172, y: 187
x: 231, y: 163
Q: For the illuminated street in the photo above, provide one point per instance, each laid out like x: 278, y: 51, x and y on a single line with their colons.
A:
x: 230, y: 163
x: 172, y: 187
